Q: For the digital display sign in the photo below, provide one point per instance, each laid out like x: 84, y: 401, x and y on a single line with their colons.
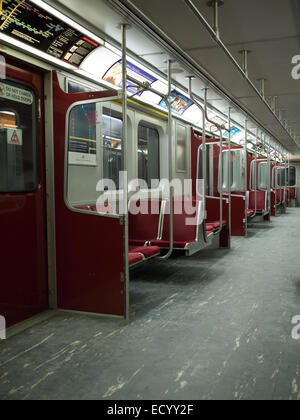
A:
x: 22, y: 20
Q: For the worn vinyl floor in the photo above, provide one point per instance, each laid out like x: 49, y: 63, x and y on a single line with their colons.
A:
x: 213, y: 326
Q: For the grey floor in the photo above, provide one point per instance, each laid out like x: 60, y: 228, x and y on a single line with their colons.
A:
x: 214, y: 326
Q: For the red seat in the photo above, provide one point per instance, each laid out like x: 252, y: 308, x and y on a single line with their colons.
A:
x: 183, y: 232
x: 260, y: 201
x: 292, y: 193
x: 135, y: 258
x: 215, y: 225
x: 250, y: 212
x: 147, y: 251
x: 144, y: 227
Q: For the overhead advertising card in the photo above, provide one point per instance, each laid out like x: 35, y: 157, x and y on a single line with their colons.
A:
x: 179, y: 102
x: 114, y: 76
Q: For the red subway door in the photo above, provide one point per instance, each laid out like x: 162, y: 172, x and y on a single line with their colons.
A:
x: 23, y: 249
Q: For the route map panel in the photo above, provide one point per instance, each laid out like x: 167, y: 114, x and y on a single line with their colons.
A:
x: 24, y: 21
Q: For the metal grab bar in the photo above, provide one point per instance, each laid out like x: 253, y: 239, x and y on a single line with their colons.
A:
x: 219, y: 127
x: 125, y: 166
x: 246, y: 177
x: 269, y: 176
x: 214, y: 33
x: 198, y: 154
x: 170, y: 138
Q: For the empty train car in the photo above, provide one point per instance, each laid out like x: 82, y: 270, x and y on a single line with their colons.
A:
x: 149, y: 194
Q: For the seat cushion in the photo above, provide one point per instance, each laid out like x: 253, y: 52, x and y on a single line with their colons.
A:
x: 135, y: 258
x: 166, y: 244
x: 215, y: 225
x: 147, y: 251
x: 250, y: 212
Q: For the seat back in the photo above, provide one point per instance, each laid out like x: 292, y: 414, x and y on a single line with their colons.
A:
x: 261, y: 200
x: 144, y: 226
x: 186, y: 220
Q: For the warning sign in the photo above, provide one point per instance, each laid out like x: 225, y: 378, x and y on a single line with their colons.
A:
x: 14, y: 137
x: 16, y: 94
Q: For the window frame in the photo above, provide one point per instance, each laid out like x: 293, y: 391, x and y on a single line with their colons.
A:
x: 66, y: 159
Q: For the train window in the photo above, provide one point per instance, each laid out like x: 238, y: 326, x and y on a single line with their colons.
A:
x: 18, y: 138
x: 112, y: 145
x: 148, y: 154
x: 209, y: 169
x: 94, y: 151
x: 228, y: 165
x: 281, y: 177
x: 291, y: 176
x: 252, y: 175
x: 181, y: 151
x: 237, y: 171
x: 263, y: 176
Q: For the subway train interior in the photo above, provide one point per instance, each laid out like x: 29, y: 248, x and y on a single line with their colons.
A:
x: 149, y: 201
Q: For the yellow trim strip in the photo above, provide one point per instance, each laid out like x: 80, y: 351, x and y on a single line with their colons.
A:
x: 80, y: 138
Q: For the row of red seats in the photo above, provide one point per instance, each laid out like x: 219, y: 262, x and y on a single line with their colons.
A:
x: 154, y: 229
x: 149, y: 231
x: 137, y: 254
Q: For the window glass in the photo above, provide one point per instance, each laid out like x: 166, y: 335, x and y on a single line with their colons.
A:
x: 112, y: 145
x: 228, y: 162
x: 18, y: 138
x: 181, y: 152
x: 291, y: 176
x: 263, y: 176
x: 281, y: 173
x: 148, y: 154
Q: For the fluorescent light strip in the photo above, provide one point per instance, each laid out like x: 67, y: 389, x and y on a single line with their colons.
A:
x: 27, y: 48
x: 67, y: 20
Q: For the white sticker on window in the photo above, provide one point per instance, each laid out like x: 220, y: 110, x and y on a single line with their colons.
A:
x: 14, y: 137
x: 16, y: 94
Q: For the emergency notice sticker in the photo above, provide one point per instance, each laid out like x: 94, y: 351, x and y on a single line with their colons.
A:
x: 16, y: 94
x: 14, y: 137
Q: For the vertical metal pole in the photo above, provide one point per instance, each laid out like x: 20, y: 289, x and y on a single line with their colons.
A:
x: 125, y: 168
x: 216, y: 19
x: 262, y: 87
x: 170, y: 130
x: 276, y: 176
x: 245, y: 54
x: 204, y: 162
x: 229, y: 172
x: 222, y: 180
x: 246, y: 177
x: 269, y: 176
x: 221, y: 164
x: 170, y: 139
x: 255, y: 177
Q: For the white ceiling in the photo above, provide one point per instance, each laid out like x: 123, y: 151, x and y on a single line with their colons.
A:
x: 269, y: 28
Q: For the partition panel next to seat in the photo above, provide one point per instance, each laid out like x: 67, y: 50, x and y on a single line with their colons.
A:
x: 89, y: 247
